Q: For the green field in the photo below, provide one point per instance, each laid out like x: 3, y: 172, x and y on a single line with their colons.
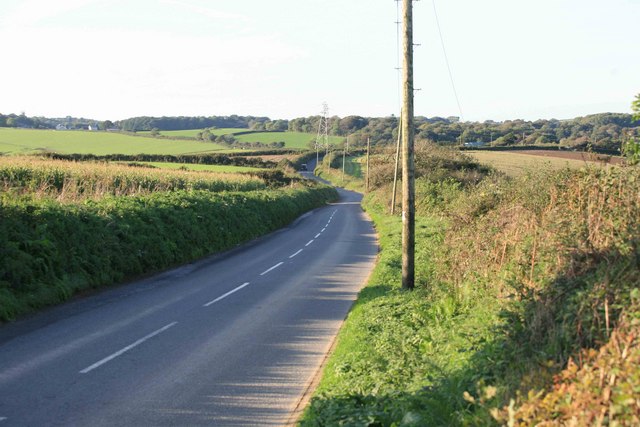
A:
x: 198, y: 167
x: 26, y: 141
x: 294, y: 140
x: 192, y: 133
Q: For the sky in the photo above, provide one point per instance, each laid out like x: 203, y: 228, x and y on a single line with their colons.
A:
x: 509, y: 59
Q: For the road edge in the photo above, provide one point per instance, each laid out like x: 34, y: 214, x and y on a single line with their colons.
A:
x: 311, y: 386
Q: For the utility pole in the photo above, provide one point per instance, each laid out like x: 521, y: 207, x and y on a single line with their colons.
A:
x: 408, y: 173
x: 344, y: 155
x: 367, y: 179
x: 395, y: 173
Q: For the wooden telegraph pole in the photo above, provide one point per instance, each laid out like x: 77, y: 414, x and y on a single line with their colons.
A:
x: 344, y: 156
x: 408, y: 173
x: 395, y: 173
x: 367, y: 178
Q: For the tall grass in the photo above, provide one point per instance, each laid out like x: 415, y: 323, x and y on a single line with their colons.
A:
x: 71, y: 181
x: 517, y: 279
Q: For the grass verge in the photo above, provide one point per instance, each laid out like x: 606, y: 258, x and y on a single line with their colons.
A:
x: 525, y: 309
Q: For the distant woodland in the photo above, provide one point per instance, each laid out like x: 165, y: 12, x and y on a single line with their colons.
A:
x: 605, y: 131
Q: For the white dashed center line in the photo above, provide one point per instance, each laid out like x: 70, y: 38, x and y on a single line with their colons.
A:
x: 127, y: 348
x: 317, y: 235
x: 272, y: 268
x: 295, y: 254
x: 309, y: 242
x: 226, y: 295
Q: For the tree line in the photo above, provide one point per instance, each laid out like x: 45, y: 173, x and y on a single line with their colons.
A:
x: 145, y: 123
x: 71, y: 123
x: 606, y: 131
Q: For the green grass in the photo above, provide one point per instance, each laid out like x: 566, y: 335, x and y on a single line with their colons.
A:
x: 354, y: 170
x: 198, y: 167
x: 192, y: 133
x: 26, y: 141
x: 396, y: 344
x: 294, y: 140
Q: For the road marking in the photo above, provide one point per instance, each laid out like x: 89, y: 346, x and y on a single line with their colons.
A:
x: 226, y: 295
x: 295, y: 254
x: 322, y: 231
x: 317, y: 235
x: 309, y: 242
x: 272, y: 268
x: 127, y: 348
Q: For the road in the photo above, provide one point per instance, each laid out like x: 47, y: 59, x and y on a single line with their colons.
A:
x: 232, y: 340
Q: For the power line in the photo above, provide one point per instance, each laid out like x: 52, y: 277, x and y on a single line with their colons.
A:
x: 446, y: 58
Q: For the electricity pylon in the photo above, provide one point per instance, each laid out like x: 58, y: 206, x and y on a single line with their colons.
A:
x: 322, y: 139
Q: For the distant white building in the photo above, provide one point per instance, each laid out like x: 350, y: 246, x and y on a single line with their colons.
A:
x: 61, y: 127
x: 474, y: 144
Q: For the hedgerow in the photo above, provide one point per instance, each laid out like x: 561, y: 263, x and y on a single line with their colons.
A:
x: 49, y: 251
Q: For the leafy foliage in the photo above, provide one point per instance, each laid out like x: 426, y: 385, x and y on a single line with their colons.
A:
x: 631, y: 148
x: 65, y: 228
x: 518, y: 279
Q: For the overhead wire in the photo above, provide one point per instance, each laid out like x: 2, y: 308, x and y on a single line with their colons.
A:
x: 446, y: 58
x: 398, y: 68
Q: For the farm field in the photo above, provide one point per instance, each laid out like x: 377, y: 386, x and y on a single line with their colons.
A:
x: 199, y: 167
x: 292, y: 140
x: 517, y: 163
x: 192, y: 133
x: 73, y: 181
x: 295, y: 140
x: 27, y: 141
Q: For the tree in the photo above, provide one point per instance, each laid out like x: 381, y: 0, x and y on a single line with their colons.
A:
x: 107, y: 124
x: 631, y: 149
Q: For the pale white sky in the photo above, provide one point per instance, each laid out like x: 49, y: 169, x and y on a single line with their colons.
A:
x: 113, y: 59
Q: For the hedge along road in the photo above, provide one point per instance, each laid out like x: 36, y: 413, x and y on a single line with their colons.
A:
x: 231, y: 340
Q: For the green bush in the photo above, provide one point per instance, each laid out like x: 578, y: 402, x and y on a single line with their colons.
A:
x: 49, y: 251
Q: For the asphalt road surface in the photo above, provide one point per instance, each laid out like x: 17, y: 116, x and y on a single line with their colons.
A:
x: 232, y: 340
